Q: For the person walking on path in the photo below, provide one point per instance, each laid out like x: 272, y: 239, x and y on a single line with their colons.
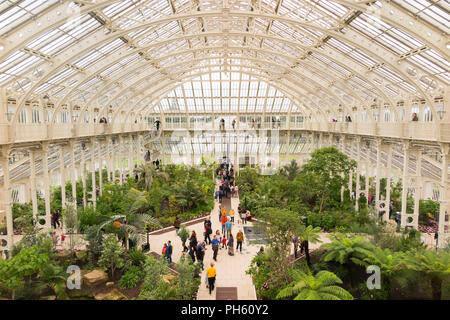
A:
x: 169, y: 252
x: 201, y: 253
x: 228, y: 227
x: 192, y: 254
x: 208, y: 230
x: 193, y: 244
x: 215, y: 247
x: 223, y: 220
x: 232, y: 215
x: 164, y: 250
x: 231, y: 245
x: 243, y: 217
x: 211, y: 274
x: 239, y: 239
x: 177, y: 224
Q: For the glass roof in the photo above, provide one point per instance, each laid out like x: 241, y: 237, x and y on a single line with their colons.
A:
x: 129, y: 53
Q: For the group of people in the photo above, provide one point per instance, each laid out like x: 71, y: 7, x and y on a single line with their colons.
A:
x: 167, y: 251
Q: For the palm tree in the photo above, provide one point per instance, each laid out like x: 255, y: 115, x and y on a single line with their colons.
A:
x: 322, y: 286
x: 52, y: 277
x: 436, y: 266
x: 308, y: 235
x: 138, y: 226
x: 290, y: 170
x: 148, y: 173
x: 342, y: 249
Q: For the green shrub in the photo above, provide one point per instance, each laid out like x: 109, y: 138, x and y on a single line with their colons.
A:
x: 131, y: 278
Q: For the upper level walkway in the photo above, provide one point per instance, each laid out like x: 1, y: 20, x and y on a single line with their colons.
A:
x: 421, y: 131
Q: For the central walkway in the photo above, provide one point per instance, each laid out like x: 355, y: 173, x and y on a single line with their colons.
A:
x: 231, y: 270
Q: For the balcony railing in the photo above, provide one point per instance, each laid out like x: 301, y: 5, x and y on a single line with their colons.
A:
x: 402, y: 130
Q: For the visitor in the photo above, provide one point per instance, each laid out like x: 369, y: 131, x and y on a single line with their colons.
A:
x: 231, y: 245
x: 216, y: 196
x: 236, y: 191
x: 233, y: 124
x: 220, y: 195
x: 415, y: 118
x: 211, y: 274
x: 223, y: 220
x: 224, y: 242
x: 391, y: 210
x: 248, y: 216
x: 177, y: 224
x: 164, y: 250
x: 193, y: 243
x: 207, y: 232
x: 228, y: 227
x: 157, y: 123
x: 296, y: 244
x: 243, y: 217
x: 201, y: 247
x: 169, y: 252
x: 239, y: 239
x: 232, y: 215
x: 398, y: 219
x: 52, y: 219
x: 191, y: 253
x: 215, y: 247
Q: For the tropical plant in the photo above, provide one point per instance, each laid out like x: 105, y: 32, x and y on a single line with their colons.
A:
x: 309, y: 235
x: 436, y: 266
x: 111, y: 256
x: 183, y: 233
x: 133, y: 228
x: 148, y: 173
x: 131, y: 278
x: 188, y: 281
x: 331, y: 168
x: 290, y: 170
x: 322, y: 286
x: 343, y: 248
x: 17, y: 272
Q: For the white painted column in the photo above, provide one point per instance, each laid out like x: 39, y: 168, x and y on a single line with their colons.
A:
x: 73, y: 181
x: 83, y: 175
x: 378, y: 177
x: 405, y: 182
x: 94, y: 184
x: 100, y: 166
x: 388, y: 181
x: 444, y: 208
x: 34, y: 201
x: 62, y: 170
x: 358, y: 172
x: 5, y: 196
x: 131, y: 157
x: 46, y: 176
x: 122, y: 159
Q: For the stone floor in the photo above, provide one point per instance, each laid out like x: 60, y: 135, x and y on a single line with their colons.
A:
x: 230, y: 269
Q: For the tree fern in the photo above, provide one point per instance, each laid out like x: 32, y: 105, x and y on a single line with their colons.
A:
x: 322, y: 286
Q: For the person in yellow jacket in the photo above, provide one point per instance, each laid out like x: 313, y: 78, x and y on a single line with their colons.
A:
x: 232, y: 215
x: 211, y: 273
x: 239, y: 240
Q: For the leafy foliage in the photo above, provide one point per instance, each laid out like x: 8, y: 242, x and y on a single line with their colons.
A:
x: 322, y: 286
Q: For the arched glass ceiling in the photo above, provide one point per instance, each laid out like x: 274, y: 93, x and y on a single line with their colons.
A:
x: 345, y: 52
x: 225, y: 92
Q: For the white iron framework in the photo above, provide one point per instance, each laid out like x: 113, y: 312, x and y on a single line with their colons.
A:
x: 285, y: 75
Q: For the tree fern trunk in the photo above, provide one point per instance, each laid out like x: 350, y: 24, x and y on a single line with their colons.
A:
x: 436, y: 287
